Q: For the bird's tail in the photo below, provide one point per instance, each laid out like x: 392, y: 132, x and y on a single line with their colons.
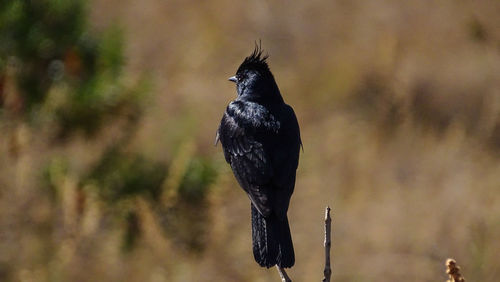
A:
x: 272, y: 241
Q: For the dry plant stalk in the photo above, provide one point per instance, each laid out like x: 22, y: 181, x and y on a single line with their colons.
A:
x: 453, y: 271
x: 328, y: 243
x: 283, y: 275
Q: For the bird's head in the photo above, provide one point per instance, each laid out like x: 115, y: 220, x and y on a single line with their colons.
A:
x: 254, y: 80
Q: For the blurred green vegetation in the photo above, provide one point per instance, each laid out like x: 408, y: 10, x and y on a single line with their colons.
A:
x: 62, y: 83
x: 62, y: 72
x: 120, y: 175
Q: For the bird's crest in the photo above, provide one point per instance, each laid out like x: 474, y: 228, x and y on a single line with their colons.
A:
x: 256, y: 61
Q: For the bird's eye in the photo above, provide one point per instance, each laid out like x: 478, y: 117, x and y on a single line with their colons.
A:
x: 241, y: 77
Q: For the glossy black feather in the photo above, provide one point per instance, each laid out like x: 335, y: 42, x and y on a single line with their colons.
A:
x: 260, y: 138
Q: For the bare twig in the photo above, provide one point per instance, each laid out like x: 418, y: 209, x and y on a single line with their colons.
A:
x: 453, y: 271
x: 283, y: 275
x: 328, y: 243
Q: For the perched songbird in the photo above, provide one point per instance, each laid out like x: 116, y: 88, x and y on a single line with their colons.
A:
x: 261, y: 141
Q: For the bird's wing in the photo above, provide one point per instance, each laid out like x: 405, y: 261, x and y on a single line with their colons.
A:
x: 243, y: 133
x: 285, y: 160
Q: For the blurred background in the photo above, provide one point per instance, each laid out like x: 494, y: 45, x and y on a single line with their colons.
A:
x: 108, y: 113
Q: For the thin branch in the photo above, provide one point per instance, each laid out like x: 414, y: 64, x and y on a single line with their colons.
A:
x: 283, y: 275
x: 453, y: 271
x: 328, y: 243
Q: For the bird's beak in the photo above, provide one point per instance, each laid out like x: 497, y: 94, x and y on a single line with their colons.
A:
x: 233, y: 79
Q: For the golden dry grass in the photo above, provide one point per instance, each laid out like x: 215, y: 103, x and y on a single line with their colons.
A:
x: 399, y: 107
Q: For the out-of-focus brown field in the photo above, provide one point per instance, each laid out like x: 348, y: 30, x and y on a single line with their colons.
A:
x: 399, y: 108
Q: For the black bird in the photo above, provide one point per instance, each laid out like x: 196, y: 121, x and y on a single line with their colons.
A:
x: 261, y: 141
